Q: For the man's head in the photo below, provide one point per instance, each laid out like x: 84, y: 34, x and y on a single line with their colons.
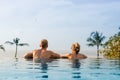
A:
x: 43, y: 43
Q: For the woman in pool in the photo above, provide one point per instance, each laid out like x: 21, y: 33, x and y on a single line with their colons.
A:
x: 42, y: 53
x: 75, y: 52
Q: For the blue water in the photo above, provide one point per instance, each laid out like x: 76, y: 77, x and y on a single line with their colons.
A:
x: 61, y: 69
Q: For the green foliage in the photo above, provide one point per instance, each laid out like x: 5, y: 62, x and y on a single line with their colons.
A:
x: 112, y: 47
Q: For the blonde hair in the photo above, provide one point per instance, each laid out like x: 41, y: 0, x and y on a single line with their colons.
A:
x: 76, y: 47
x: 43, y: 43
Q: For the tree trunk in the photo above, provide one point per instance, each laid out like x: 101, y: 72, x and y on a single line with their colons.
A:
x: 16, y: 52
x: 97, y: 51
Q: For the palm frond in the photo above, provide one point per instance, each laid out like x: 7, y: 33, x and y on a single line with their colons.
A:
x: 8, y: 42
x: 91, y: 40
x: 101, y: 44
x: 16, y: 40
x: 23, y: 44
x: 101, y: 39
x: 1, y: 47
x: 96, y: 35
x: 90, y: 44
x: 92, y: 33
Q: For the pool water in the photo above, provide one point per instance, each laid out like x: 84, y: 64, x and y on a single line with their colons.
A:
x: 59, y: 69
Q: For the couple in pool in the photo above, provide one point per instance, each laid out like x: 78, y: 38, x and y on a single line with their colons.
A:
x: 43, y: 53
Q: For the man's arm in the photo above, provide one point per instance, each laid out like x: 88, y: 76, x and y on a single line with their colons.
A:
x: 28, y: 55
x: 54, y: 55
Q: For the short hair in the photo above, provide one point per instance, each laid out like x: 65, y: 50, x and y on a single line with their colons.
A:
x: 76, y: 47
x: 43, y: 43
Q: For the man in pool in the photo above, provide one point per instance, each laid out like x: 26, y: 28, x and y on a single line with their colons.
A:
x: 75, y: 52
x: 42, y: 53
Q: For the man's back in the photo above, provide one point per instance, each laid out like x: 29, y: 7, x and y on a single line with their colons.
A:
x: 46, y: 54
x: 42, y: 52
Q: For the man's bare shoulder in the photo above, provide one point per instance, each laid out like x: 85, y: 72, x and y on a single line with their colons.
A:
x: 53, y: 55
x: 36, y: 50
x: 49, y: 51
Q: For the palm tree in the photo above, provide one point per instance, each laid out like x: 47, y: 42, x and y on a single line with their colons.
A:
x: 1, y: 47
x: 16, y: 42
x: 96, y: 39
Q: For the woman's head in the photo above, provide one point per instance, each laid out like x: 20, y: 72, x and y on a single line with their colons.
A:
x: 75, y: 47
x: 44, y: 43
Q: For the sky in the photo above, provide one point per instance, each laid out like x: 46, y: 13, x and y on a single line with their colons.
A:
x: 61, y: 22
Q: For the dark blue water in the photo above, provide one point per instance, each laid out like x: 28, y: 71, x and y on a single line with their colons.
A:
x: 61, y: 69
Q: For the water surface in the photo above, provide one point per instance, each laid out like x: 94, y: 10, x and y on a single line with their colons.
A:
x: 59, y: 69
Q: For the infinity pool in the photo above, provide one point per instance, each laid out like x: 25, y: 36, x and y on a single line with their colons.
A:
x: 61, y: 69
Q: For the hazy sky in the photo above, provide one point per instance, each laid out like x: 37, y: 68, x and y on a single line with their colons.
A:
x: 61, y: 22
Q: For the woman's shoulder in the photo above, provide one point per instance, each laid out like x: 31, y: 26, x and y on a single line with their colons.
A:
x: 66, y: 56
